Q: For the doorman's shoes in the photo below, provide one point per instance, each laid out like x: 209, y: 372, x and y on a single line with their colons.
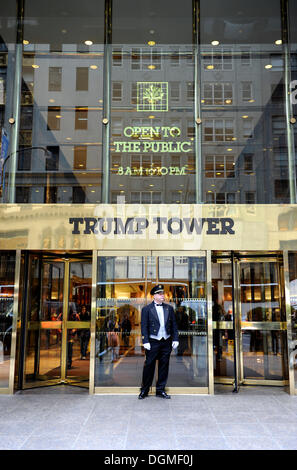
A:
x: 163, y: 395
x: 142, y: 395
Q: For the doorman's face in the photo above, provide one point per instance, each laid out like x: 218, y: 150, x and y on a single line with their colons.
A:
x: 159, y: 298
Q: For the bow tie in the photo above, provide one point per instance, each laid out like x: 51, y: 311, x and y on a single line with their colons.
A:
x: 159, y: 305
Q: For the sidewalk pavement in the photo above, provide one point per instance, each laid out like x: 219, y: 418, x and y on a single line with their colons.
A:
x: 68, y: 418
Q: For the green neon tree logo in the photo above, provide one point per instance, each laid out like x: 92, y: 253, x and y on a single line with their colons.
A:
x: 152, y: 96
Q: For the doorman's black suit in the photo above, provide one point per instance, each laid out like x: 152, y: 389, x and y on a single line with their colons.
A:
x: 160, y: 350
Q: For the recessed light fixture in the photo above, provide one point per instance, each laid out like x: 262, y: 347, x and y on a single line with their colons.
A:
x: 228, y: 101
x: 229, y: 150
x: 88, y: 42
x: 151, y: 43
x: 278, y: 42
x: 268, y: 66
x: 93, y: 67
x: 245, y: 116
x: 51, y: 100
x: 35, y: 66
x: 58, y: 116
x: 215, y: 43
x: 151, y: 67
x: 251, y: 101
x: 25, y: 41
x: 151, y: 117
x: 210, y: 67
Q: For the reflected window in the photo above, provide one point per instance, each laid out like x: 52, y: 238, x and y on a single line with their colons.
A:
x: 80, y: 157
x: 54, y: 78
x: 81, y: 118
x: 82, y: 79
x: 246, y: 91
x: 53, y: 118
x: 78, y: 195
x: 117, y: 91
x: 52, y: 158
x: 218, y: 130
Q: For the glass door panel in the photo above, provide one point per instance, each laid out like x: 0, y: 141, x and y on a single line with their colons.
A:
x: 79, y: 322
x: 123, y: 283
x: 222, y: 316
x: 258, y: 339
x: 58, y: 321
x: 263, y: 320
x: 184, y: 279
x: 123, y: 288
x: 44, y: 320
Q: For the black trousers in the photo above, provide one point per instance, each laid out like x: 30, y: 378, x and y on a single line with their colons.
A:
x: 160, y: 351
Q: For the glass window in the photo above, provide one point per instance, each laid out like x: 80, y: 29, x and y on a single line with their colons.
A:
x: 81, y: 118
x: 155, y: 119
x: 240, y: 44
x: 53, y: 118
x: 62, y: 93
x: 80, y: 157
x: 122, y: 292
x: 82, y: 79
x: 54, y: 78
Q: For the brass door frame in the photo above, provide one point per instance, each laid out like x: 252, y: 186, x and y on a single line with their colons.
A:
x: 146, y: 253
x: 258, y: 326
x: 63, y: 325
x: 238, y: 259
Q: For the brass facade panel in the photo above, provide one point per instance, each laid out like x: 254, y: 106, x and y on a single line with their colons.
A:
x: 184, y: 227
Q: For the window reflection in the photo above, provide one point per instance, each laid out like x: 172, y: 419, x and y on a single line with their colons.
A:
x: 123, y: 289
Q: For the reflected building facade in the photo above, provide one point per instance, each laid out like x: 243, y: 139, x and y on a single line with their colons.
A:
x: 181, y: 114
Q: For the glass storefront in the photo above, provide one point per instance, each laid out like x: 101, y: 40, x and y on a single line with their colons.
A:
x: 252, y: 343
x: 123, y: 287
x: 156, y: 105
x: 114, y: 103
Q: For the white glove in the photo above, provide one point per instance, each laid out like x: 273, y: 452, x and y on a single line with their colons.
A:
x: 147, y: 346
x: 175, y: 344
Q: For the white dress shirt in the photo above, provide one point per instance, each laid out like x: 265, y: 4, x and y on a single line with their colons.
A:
x: 162, y: 332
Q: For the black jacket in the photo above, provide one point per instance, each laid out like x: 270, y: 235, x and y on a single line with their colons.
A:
x: 150, y: 324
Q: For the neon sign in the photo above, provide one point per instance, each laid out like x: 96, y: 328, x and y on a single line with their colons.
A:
x: 147, y: 139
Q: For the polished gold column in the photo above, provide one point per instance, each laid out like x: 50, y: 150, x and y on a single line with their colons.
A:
x: 14, y: 321
x: 64, y: 323
x: 292, y: 390
x: 93, y: 324
x: 209, y: 324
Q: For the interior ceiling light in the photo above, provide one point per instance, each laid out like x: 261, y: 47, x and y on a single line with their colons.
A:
x: 268, y: 66
x: 278, y: 42
x: 215, y: 43
x: 151, y: 67
x: 93, y: 67
x: 35, y: 66
x: 151, y: 43
x: 210, y: 67
x: 88, y: 42
x: 245, y: 116
x: 25, y: 41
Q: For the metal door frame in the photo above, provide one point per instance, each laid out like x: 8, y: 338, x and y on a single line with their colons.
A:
x: 238, y: 259
x: 242, y: 325
x: 64, y: 324
x: 155, y: 253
